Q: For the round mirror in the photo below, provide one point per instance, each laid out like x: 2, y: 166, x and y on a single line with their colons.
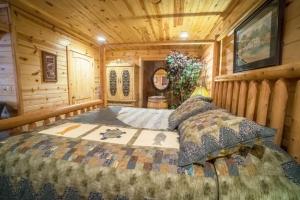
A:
x: 160, y: 79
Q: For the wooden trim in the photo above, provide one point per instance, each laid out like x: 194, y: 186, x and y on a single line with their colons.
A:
x: 169, y: 43
x: 271, y: 73
x: 32, y: 117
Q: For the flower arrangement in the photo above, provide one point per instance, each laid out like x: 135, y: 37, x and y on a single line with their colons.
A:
x: 183, y: 74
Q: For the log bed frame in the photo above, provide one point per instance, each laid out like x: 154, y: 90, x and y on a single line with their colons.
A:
x: 262, y: 96
x: 31, y: 120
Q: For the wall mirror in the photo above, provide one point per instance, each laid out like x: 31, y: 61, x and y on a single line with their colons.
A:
x: 160, y: 79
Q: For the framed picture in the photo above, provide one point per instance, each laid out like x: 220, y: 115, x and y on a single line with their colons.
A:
x: 257, y: 41
x: 49, y: 67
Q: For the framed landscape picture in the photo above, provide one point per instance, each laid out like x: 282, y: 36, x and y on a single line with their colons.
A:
x: 257, y: 41
x: 49, y: 67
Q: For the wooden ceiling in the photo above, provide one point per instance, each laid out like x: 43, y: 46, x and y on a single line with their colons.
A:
x: 131, y: 21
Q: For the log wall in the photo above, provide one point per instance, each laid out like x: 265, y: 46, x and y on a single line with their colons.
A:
x: 33, y: 35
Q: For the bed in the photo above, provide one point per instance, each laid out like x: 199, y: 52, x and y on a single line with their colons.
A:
x: 128, y: 153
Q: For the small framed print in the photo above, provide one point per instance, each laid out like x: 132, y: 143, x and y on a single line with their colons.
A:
x: 49, y: 67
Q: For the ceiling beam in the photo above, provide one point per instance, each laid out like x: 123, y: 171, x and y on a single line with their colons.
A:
x: 198, y: 14
x: 167, y: 43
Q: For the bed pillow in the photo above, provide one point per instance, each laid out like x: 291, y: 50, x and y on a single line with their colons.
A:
x: 217, y: 133
x: 190, y: 107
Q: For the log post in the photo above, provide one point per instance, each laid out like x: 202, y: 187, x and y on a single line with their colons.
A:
x: 242, y: 99
x: 263, y: 103
x: 294, y: 143
x: 251, y: 100
x: 278, y: 109
x: 235, y: 97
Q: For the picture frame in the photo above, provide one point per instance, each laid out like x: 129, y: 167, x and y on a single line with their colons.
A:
x: 49, y: 61
x: 258, y: 40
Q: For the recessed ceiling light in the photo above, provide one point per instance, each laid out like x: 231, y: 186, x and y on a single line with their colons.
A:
x: 184, y: 35
x: 101, y: 39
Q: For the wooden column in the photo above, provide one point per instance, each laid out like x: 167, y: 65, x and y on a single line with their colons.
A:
x: 229, y: 96
x: 13, y: 34
x: 278, y: 109
x: 242, y: 99
x: 235, y: 97
x: 251, y: 100
x: 216, y: 63
x: 263, y: 102
x: 294, y: 143
x: 103, y: 75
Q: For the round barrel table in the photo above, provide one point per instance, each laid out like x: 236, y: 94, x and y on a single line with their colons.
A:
x: 157, y: 102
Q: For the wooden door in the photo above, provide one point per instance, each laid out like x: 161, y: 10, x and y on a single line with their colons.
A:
x: 126, y: 86
x: 112, y: 77
x: 82, y: 78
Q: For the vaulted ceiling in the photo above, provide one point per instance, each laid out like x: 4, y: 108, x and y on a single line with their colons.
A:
x: 136, y: 21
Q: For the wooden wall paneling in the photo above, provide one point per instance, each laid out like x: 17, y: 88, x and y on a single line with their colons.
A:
x: 293, y: 146
x: 32, y: 36
x: 263, y: 102
x: 278, y: 109
x: 251, y: 100
x: 220, y: 92
x: 235, y: 97
x: 229, y: 96
x: 224, y: 94
x: 242, y: 99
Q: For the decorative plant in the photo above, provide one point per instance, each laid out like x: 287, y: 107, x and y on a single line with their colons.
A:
x: 183, y: 73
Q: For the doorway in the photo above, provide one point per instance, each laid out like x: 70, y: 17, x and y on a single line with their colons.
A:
x: 81, y: 83
x: 149, y: 67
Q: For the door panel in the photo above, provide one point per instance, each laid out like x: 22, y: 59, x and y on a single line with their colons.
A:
x: 112, y: 83
x: 83, y: 78
x: 127, y: 84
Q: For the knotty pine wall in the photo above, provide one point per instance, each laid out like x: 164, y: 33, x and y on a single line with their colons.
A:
x: 8, y: 87
x: 34, y: 35
x: 290, y: 54
x: 208, y: 59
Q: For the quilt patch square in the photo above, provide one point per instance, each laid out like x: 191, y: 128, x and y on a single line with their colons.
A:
x: 70, y: 130
x: 163, y: 139
x: 111, y: 134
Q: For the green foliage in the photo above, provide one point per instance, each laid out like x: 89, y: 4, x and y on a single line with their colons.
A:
x: 183, y: 73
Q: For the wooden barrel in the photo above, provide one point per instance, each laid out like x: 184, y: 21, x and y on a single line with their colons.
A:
x: 157, y: 102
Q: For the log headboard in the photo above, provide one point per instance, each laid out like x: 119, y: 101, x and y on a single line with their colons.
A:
x: 269, y: 96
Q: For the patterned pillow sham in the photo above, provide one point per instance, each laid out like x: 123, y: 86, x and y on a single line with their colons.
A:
x: 217, y: 133
x: 190, y: 107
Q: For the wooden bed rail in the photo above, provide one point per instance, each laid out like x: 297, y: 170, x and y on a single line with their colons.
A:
x: 46, y: 114
x: 264, y: 96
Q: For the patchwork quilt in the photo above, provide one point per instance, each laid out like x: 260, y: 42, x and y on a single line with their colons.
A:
x: 54, y: 166
x: 75, y: 160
